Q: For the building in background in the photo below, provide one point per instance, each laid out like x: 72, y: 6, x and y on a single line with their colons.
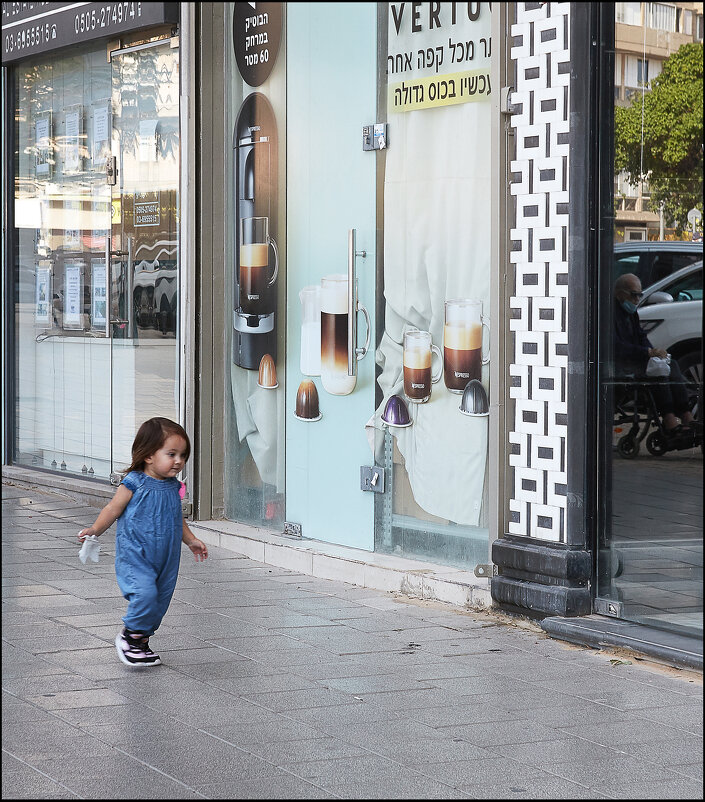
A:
x: 645, y: 35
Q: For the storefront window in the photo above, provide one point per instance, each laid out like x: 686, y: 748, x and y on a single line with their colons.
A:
x: 96, y: 272
x: 433, y: 418
x: 650, y: 529
x: 255, y: 264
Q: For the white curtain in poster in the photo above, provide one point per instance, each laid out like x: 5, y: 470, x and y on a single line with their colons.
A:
x: 437, y: 234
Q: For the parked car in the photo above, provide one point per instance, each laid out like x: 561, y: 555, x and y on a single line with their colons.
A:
x: 654, y: 261
x: 671, y: 314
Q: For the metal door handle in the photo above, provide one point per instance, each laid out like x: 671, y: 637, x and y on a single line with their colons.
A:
x: 108, y: 271
x: 355, y: 354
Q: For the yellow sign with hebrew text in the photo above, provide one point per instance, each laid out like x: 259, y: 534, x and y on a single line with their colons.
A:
x: 439, y: 90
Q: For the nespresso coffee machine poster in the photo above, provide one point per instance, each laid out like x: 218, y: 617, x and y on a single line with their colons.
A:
x: 434, y: 352
x: 256, y: 280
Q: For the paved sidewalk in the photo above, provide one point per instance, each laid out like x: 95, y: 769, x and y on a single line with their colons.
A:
x: 278, y: 685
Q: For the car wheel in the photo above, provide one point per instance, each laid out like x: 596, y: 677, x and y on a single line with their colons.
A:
x: 691, y: 365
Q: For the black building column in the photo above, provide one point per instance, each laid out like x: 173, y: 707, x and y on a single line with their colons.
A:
x: 536, y: 575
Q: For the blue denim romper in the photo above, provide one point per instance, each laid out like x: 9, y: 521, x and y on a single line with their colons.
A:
x: 148, y: 549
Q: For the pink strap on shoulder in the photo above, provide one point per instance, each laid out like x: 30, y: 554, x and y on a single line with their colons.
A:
x: 182, y: 490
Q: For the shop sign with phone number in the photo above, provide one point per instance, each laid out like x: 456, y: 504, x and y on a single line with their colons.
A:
x: 30, y: 29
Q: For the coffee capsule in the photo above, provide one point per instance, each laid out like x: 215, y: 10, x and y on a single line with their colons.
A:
x: 267, y: 373
x: 396, y: 413
x: 307, y: 408
x: 474, y: 401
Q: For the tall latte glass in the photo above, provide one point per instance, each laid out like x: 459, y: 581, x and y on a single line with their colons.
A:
x: 418, y: 355
x: 462, y: 343
x: 334, y: 336
x: 254, y: 276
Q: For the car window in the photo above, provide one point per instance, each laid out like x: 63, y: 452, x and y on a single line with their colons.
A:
x: 663, y: 264
x: 626, y: 263
x: 687, y: 288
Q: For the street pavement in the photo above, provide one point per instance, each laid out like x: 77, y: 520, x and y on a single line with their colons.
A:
x: 279, y: 685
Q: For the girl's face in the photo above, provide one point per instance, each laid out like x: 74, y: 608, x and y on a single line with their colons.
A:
x: 169, y: 460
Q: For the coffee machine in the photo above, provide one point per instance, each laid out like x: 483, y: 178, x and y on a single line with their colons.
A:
x: 256, y: 255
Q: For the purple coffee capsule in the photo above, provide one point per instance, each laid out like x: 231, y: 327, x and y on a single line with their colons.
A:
x: 396, y: 413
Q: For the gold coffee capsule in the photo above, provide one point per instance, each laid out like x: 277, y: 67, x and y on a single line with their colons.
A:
x: 267, y: 373
x: 307, y: 402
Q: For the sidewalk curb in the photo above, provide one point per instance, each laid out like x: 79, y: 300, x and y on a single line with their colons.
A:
x: 412, y: 578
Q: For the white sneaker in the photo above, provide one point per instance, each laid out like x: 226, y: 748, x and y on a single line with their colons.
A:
x: 135, y: 652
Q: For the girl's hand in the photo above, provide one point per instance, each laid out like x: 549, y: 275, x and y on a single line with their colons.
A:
x: 87, y: 532
x: 199, y: 549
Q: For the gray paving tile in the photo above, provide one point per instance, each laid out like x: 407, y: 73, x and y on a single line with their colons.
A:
x: 306, y: 699
x: 614, y: 771
x: 397, y: 788
x: 476, y: 771
x: 24, y: 782
x: 269, y: 732
x: 622, y: 731
x: 344, y: 771
x: 661, y: 789
x: 25, y: 687
x: 332, y: 718
x: 284, y: 753
x: 282, y: 786
x: 280, y: 682
x: 669, y: 751
x: 543, y: 787
x: 98, y: 697
x: 541, y: 752
x: 686, y: 716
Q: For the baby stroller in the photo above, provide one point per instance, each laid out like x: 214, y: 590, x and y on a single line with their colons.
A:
x: 634, y: 405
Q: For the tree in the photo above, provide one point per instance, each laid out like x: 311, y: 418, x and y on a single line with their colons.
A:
x: 671, y: 158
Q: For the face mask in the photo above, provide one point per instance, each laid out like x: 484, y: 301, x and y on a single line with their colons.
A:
x: 629, y: 307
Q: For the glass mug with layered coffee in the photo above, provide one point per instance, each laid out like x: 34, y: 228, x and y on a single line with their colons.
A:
x: 462, y: 343
x: 254, y: 265
x: 417, y: 359
x: 335, y: 330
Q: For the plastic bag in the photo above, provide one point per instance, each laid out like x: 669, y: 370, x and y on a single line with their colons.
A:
x: 90, y: 549
x: 659, y: 367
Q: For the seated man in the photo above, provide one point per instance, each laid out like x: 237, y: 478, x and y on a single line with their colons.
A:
x: 632, y: 350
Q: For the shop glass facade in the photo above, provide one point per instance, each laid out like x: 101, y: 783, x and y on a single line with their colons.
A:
x: 650, y: 525
x: 95, y: 261
x: 368, y: 250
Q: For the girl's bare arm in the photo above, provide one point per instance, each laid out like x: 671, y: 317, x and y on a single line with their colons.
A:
x: 109, y: 514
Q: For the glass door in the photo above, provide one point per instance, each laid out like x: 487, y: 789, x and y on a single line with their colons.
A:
x: 142, y: 251
x: 650, y: 547
x: 330, y: 223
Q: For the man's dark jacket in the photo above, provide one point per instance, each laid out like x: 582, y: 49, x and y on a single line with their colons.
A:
x: 631, y: 345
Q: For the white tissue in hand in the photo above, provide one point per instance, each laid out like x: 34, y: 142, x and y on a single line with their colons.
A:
x: 90, y: 549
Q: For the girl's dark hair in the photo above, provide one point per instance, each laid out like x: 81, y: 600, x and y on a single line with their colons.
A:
x: 150, y: 437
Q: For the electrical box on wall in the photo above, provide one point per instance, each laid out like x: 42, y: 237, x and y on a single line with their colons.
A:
x: 374, y: 137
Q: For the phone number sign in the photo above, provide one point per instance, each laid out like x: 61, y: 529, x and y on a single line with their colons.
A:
x: 30, y: 29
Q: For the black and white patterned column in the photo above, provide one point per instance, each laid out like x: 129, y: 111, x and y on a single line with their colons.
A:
x: 539, y: 256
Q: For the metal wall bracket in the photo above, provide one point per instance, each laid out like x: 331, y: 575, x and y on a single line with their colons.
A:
x: 506, y: 106
x: 292, y: 529
x: 372, y: 478
x: 608, y: 607
x: 485, y: 570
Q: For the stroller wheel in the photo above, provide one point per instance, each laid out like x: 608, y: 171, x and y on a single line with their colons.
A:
x: 656, y: 445
x: 628, y: 446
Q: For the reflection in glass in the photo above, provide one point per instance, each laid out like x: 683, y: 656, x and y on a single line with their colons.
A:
x: 650, y: 549
x: 72, y: 114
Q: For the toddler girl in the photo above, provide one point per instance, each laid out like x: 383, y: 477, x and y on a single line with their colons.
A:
x: 151, y: 528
